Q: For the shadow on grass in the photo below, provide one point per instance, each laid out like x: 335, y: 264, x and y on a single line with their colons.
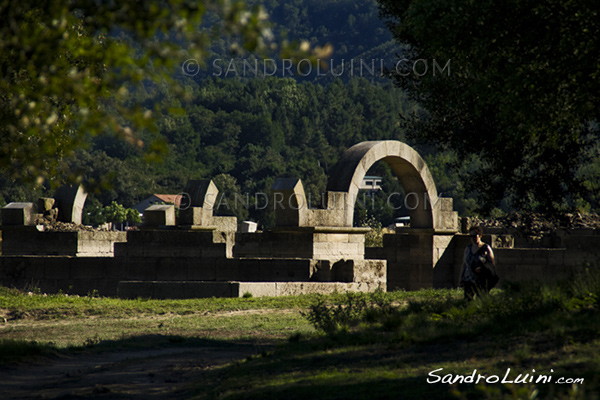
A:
x: 297, y: 372
x: 312, y: 370
x: 391, y: 353
x: 22, y: 351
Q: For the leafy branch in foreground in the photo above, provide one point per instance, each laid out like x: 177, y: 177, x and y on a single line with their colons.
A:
x: 67, y: 68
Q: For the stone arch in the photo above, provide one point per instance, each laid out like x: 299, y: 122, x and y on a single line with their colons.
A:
x: 409, y: 167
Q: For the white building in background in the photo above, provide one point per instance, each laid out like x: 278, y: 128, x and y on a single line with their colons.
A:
x: 371, y: 184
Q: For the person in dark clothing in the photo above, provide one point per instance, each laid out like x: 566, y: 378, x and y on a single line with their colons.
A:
x: 478, y: 275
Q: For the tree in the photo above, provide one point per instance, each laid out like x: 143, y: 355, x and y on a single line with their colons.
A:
x: 68, y: 67
x: 117, y: 214
x: 521, y: 89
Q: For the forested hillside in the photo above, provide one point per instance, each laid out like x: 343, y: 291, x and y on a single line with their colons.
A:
x: 244, y: 132
x: 353, y: 28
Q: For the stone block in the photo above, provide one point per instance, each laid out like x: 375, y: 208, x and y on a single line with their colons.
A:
x: 88, y: 268
x: 288, y: 249
x: 199, y: 193
x: 272, y: 270
x: 45, y: 204
x: 448, y: 220
x: 331, y: 237
x: 135, y: 289
x: 299, y: 288
x: 196, y: 216
x: 321, y: 271
x: 326, y: 217
x: 256, y: 289
x: 18, y: 214
x: 214, y: 250
x: 356, y: 238
x: 171, y: 269
x: 325, y: 250
x: 446, y: 204
x: 227, y: 269
x: 360, y: 271
x: 289, y: 202
x: 58, y: 268
x: 213, y: 289
x: 202, y: 269
x: 225, y: 224
x: 138, y: 268
x: 370, y: 272
x: 159, y: 215
x: 248, y: 227
x: 343, y: 271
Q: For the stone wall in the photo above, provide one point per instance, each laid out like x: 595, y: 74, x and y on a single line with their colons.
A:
x: 78, y: 275
x: 187, y: 289
x: 30, y: 241
x: 409, y: 260
x: 421, y: 260
x: 321, y: 243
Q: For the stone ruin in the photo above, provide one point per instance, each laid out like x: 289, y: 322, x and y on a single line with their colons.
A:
x: 54, y: 230
x: 309, y: 250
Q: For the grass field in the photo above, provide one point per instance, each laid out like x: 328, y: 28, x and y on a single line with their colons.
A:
x: 425, y: 344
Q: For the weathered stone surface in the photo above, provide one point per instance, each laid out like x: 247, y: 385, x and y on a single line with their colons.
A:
x: 199, y: 193
x: 448, y: 220
x: 45, y: 204
x: 248, y: 227
x: 18, y: 214
x: 408, y: 166
x: 80, y: 244
x: 181, y: 289
x: 225, y: 224
x: 197, y: 203
x: 289, y: 202
x: 322, y: 243
x: 159, y: 215
x: 534, y: 224
x: 196, y: 216
x: 70, y: 201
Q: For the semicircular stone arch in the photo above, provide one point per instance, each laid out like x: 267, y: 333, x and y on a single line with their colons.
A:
x: 409, y: 167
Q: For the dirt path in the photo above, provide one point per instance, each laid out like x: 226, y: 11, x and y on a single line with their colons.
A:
x: 166, y: 373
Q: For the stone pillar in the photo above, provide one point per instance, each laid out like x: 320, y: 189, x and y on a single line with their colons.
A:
x: 197, y: 204
x: 70, y: 201
x: 291, y: 208
x: 419, y: 258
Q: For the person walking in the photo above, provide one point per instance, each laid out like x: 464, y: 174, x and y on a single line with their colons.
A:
x: 478, y: 275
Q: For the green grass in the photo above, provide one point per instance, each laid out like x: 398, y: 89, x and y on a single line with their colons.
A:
x: 373, y: 346
x: 62, y: 321
x: 359, y: 346
x: 59, y: 306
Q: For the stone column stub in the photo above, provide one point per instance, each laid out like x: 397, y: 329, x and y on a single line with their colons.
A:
x: 70, y: 201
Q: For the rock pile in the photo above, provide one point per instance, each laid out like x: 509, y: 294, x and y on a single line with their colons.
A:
x: 527, y: 224
x: 57, y: 226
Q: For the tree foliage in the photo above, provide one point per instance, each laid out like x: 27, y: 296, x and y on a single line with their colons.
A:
x: 68, y: 68
x: 116, y: 213
x: 522, y: 90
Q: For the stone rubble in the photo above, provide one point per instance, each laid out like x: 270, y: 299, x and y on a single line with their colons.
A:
x: 534, y: 224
